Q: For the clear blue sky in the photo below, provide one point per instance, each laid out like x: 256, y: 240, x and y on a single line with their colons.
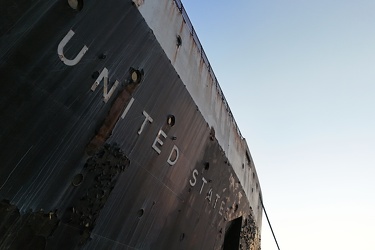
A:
x: 299, y: 76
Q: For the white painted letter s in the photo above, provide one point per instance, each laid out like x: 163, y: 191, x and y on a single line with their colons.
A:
x: 195, y: 174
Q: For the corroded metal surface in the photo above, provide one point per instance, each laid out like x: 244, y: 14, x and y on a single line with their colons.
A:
x: 102, y: 145
x: 191, y: 64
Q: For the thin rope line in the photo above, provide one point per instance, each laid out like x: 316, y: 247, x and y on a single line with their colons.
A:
x: 269, y: 223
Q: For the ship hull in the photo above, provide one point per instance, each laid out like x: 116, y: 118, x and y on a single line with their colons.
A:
x: 102, y: 145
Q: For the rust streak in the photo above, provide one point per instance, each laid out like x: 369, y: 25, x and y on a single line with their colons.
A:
x: 112, y: 118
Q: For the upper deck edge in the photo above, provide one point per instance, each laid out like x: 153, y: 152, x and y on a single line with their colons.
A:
x: 175, y: 33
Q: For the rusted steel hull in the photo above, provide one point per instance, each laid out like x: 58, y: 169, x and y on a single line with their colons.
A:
x: 102, y: 145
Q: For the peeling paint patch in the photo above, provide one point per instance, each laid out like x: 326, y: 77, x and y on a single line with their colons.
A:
x: 101, y: 172
x: 115, y: 112
x: 89, y: 192
x: 250, y: 235
x: 27, y: 231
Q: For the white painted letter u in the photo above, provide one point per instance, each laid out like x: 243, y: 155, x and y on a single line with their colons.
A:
x: 60, y: 50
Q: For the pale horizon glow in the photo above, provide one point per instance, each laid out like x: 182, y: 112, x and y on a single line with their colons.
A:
x: 299, y: 77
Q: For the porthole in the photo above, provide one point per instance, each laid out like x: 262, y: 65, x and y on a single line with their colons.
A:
x: 171, y: 120
x: 77, y: 180
x: 95, y: 75
x: 182, y: 236
x: 140, y: 213
x: 206, y: 165
x: 136, y: 76
x: 102, y: 56
x: 76, y: 4
x: 178, y: 41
